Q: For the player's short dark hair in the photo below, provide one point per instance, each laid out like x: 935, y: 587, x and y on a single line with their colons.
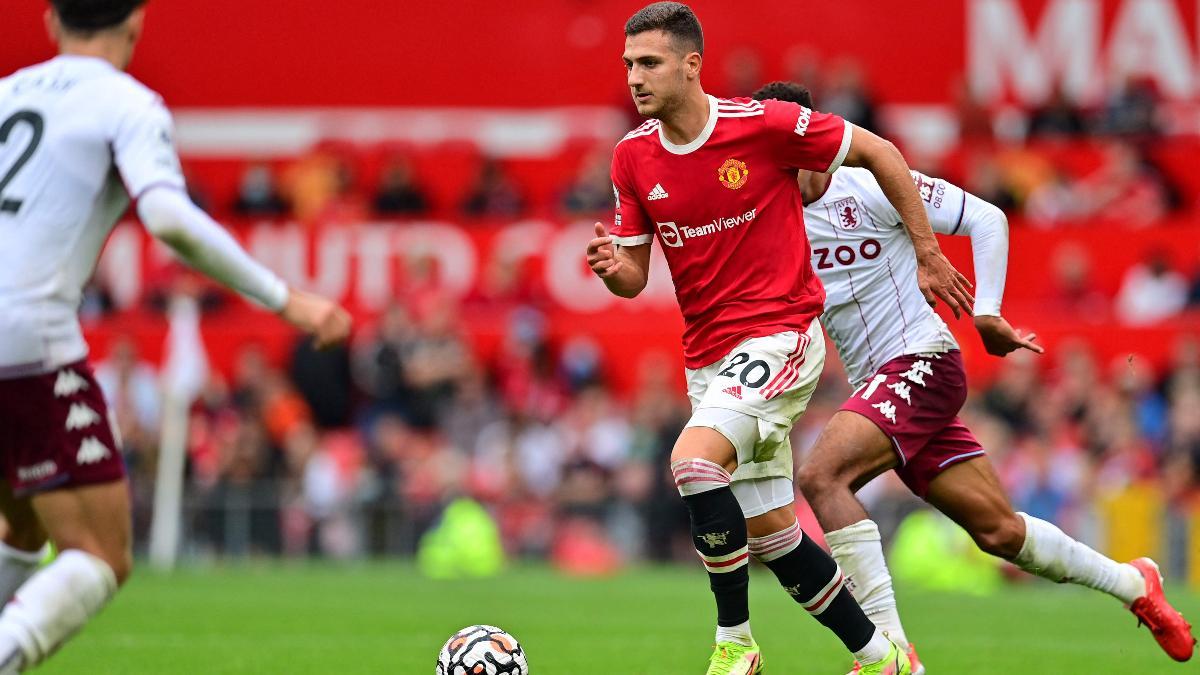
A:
x: 86, y: 16
x: 785, y: 91
x: 673, y: 18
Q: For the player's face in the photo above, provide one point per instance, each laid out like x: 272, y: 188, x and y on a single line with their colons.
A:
x: 656, y: 72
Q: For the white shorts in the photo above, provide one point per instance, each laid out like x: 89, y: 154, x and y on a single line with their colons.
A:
x: 755, y: 394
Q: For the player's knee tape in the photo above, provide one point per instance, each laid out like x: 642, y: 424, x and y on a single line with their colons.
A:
x: 740, y: 429
x: 693, y: 476
x: 760, y: 495
x: 56, y: 602
x: 777, y: 545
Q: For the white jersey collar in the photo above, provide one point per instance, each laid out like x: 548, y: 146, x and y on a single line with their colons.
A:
x: 699, y: 140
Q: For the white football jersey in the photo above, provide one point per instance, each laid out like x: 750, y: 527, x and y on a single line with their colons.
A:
x: 78, y: 138
x: 874, y: 309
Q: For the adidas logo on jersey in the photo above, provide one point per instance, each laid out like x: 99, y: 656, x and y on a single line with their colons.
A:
x: 81, y: 417
x: 91, y: 451
x: 657, y: 193
x: 68, y: 383
x: 734, y: 391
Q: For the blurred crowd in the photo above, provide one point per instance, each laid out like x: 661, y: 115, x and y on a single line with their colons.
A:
x: 356, y: 452
x: 1063, y: 163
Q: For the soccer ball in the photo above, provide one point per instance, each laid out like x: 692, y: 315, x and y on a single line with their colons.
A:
x: 482, y: 650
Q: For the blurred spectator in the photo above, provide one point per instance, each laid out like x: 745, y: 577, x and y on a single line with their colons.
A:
x: 1054, y: 201
x: 131, y: 389
x: 493, y: 194
x: 310, y: 183
x: 1126, y: 188
x: 438, y: 360
x: 974, y: 119
x: 1058, y: 117
x: 380, y: 364
x: 1132, y: 110
x: 398, y: 193
x: 846, y: 94
x: 592, y: 191
x: 97, y: 301
x: 1151, y: 291
x: 1073, y: 291
x: 322, y: 376
x: 802, y: 64
x: 986, y: 180
x: 743, y: 72
x: 258, y: 193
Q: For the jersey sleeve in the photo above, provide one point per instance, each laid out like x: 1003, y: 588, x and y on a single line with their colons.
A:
x: 806, y: 139
x: 631, y: 226
x: 144, y: 149
x: 945, y: 203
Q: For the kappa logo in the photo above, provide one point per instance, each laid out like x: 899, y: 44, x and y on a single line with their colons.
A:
x: 734, y: 391
x: 848, y: 215
x: 714, y: 539
x: 91, y: 451
x: 81, y: 416
x: 657, y: 193
x: 68, y: 383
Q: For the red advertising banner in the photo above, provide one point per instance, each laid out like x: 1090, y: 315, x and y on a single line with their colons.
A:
x: 555, y: 52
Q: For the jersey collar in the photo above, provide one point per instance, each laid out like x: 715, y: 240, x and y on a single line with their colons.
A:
x: 699, y: 140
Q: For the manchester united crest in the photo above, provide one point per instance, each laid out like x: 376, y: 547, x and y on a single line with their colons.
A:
x: 733, y: 174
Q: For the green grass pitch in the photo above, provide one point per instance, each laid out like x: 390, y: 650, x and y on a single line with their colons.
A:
x: 383, y: 618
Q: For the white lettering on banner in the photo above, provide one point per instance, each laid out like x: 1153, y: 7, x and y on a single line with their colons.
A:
x: 1062, y: 46
x: 1148, y: 39
x: 568, y: 279
x: 368, y: 265
x: 285, y: 249
x: 454, y: 254
x: 375, y: 281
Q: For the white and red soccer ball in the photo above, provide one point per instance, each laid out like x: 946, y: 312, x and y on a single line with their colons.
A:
x: 482, y: 650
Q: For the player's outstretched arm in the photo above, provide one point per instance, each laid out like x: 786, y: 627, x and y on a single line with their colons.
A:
x: 962, y: 213
x: 937, y: 277
x: 172, y: 218
x: 624, y: 269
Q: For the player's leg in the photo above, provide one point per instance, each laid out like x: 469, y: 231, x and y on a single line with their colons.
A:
x: 23, y: 545
x: 807, y: 573
x: 970, y: 493
x: 701, y: 463
x: 850, y: 451
x: 62, y: 458
x: 91, y: 526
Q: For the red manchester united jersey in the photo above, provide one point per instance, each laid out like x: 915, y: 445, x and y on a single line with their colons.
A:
x: 728, y: 214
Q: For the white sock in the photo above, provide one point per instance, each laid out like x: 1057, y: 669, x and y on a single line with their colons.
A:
x: 16, y: 566
x: 739, y: 634
x: 858, y: 549
x: 875, y: 651
x: 1051, y: 554
x: 55, y: 603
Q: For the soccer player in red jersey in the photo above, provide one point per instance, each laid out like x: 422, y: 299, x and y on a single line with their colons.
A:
x: 910, y: 385
x: 715, y: 181
x: 79, y: 138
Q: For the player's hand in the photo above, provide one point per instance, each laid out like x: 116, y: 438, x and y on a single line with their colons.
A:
x: 325, y: 320
x: 602, y: 254
x: 1000, y: 338
x: 938, y: 279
